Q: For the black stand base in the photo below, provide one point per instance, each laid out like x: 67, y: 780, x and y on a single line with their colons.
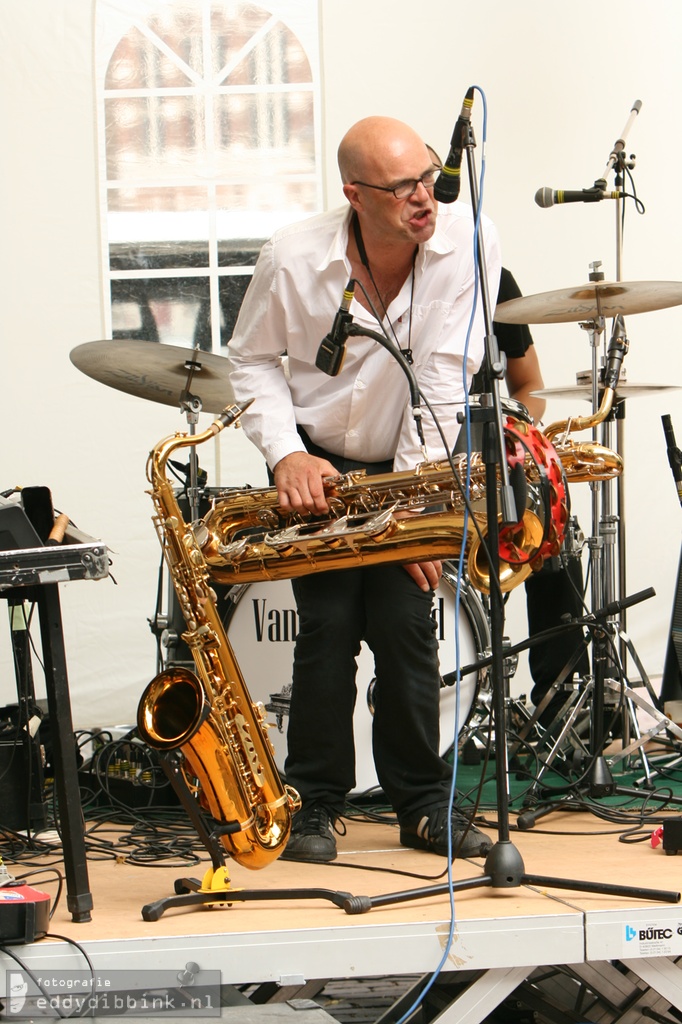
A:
x: 504, y: 869
x: 192, y: 892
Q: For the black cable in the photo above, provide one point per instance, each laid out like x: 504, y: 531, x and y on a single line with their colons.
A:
x: 41, y: 871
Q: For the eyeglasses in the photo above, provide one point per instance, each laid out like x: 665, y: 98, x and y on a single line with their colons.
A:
x: 405, y: 189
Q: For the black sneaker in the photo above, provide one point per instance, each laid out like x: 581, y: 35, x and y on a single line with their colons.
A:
x: 431, y: 834
x: 312, y: 836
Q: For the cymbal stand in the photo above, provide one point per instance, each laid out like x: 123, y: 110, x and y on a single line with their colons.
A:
x: 607, y: 635
x: 609, y: 526
x: 191, y: 405
x: 161, y: 625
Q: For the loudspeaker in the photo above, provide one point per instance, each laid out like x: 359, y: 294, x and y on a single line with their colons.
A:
x: 22, y: 781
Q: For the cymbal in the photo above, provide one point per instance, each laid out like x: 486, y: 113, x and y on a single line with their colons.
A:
x: 588, y: 301
x: 622, y: 391
x: 157, y: 372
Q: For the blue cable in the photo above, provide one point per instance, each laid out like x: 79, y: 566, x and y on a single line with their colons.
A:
x: 458, y: 590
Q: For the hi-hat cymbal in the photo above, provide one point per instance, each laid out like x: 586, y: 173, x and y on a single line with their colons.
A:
x: 157, y: 372
x: 622, y: 391
x: 588, y: 301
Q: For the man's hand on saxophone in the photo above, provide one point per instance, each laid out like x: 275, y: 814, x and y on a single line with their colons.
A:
x: 299, y: 478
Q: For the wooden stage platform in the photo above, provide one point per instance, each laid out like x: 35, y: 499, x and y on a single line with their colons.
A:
x: 494, y: 942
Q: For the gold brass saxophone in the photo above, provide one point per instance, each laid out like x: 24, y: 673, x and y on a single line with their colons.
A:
x: 209, y: 716
x: 394, y: 517
x: 585, y: 460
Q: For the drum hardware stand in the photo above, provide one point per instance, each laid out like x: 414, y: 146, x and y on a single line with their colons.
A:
x: 191, y: 405
x: 607, y: 544
x: 671, y: 683
x: 577, y: 697
x: 601, y: 782
x: 568, y: 716
x: 480, y: 720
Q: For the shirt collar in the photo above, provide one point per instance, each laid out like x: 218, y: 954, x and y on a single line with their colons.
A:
x: 339, y: 243
x: 439, y: 242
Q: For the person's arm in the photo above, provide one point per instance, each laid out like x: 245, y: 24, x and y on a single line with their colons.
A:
x: 524, y: 376
x: 256, y: 365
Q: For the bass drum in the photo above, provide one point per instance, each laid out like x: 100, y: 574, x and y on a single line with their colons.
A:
x: 260, y: 620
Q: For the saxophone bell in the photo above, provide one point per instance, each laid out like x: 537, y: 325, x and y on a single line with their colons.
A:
x: 172, y: 709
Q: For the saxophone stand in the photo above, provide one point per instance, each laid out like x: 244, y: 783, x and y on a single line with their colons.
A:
x: 214, y: 888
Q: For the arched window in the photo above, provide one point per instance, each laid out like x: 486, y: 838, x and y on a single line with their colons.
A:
x: 209, y: 140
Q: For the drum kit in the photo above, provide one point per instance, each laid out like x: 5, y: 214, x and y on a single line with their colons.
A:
x: 590, y: 305
x: 257, y: 614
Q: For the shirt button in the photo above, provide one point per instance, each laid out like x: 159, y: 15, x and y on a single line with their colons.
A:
x: 360, y: 385
x: 352, y: 433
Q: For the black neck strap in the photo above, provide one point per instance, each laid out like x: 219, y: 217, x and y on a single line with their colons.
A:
x: 357, y: 233
x: 362, y: 253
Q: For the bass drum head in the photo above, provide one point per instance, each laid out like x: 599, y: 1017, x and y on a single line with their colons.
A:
x: 261, y: 623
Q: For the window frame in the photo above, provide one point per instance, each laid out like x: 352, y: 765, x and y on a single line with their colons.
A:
x: 114, y: 19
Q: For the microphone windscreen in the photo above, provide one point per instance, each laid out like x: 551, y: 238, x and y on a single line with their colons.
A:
x: 544, y: 197
x: 446, y: 189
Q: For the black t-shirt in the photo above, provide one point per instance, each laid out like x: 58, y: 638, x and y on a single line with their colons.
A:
x: 512, y: 339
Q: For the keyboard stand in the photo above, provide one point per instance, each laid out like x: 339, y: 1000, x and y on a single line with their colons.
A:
x: 33, y: 575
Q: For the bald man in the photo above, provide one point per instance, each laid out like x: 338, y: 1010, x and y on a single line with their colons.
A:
x: 413, y: 264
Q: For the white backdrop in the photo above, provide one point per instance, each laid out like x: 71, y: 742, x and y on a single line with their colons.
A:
x: 559, y: 84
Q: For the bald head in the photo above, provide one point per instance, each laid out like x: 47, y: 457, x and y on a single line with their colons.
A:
x: 374, y: 144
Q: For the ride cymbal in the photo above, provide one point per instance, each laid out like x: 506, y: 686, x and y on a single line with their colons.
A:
x: 157, y: 372
x: 588, y: 301
x: 622, y: 391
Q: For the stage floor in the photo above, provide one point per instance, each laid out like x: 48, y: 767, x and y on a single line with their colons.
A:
x: 497, y: 936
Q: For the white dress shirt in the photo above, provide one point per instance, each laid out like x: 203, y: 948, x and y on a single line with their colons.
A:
x: 364, y: 413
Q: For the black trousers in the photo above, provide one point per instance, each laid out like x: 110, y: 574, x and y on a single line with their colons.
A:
x: 383, y: 606
x: 550, y: 594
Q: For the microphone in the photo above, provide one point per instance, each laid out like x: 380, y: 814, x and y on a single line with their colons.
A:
x: 545, y: 197
x: 332, y: 350
x: 674, y: 454
x: 614, y: 607
x: 617, y: 350
x: 449, y: 180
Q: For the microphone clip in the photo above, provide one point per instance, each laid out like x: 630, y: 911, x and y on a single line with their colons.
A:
x: 332, y: 350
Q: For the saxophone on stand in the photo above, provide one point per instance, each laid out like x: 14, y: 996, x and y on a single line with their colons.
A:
x: 209, y: 716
